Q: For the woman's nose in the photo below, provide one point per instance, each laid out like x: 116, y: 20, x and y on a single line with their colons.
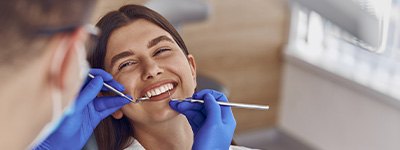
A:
x: 151, y: 70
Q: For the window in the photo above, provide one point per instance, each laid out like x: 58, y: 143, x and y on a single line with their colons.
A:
x: 325, y: 44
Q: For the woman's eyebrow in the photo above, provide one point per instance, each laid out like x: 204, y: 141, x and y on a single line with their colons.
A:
x: 157, y: 40
x: 120, y: 56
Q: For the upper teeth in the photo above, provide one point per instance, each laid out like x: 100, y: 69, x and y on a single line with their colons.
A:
x: 159, y: 90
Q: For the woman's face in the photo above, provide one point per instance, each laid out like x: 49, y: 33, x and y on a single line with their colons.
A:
x: 148, y: 62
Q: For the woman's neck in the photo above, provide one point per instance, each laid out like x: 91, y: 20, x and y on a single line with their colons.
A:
x: 173, y: 134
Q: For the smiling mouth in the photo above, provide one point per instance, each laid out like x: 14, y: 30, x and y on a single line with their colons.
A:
x: 160, y: 92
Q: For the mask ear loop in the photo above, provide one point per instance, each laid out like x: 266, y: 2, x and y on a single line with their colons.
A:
x: 56, y: 93
x: 84, y: 66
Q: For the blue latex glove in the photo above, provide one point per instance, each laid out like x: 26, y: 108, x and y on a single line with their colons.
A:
x: 85, y: 114
x: 213, y: 125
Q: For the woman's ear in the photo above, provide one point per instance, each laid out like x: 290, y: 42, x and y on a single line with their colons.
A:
x: 118, y: 114
x: 192, y: 64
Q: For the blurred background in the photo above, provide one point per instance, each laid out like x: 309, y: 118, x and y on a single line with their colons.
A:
x: 328, y: 69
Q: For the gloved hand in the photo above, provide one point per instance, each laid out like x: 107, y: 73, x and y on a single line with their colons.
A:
x: 87, y: 111
x: 213, y: 125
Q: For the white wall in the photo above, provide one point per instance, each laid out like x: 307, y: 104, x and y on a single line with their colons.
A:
x: 329, y: 114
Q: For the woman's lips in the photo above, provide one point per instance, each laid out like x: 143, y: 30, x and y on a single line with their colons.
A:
x: 153, y: 91
x: 163, y: 96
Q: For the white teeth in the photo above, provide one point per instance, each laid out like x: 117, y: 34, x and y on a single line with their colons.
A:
x: 148, y: 94
x: 159, y: 90
x: 162, y: 90
x: 153, y: 92
x: 165, y: 87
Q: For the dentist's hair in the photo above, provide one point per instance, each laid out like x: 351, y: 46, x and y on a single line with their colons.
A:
x: 27, y: 26
x: 116, y: 133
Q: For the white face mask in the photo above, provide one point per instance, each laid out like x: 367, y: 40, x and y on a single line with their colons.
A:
x: 58, y: 111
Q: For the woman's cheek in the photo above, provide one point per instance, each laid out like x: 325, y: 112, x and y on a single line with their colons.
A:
x: 127, y: 82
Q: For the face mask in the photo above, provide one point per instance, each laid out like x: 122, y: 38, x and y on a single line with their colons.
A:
x: 58, y: 111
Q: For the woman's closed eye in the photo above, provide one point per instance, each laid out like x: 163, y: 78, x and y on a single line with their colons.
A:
x: 158, y: 52
x: 161, y: 51
x: 126, y: 64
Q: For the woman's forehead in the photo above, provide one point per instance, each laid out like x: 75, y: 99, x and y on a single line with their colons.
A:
x: 136, y: 34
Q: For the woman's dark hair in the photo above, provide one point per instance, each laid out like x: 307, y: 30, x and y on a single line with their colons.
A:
x: 124, y: 16
x: 116, y: 133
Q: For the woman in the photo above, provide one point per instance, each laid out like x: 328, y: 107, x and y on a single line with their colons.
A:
x: 146, y: 54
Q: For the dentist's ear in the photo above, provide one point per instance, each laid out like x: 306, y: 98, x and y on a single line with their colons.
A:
x: 64, y: 67
x: 64, y: 55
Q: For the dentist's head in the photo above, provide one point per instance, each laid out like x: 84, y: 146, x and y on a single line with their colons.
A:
x: 42, y: 50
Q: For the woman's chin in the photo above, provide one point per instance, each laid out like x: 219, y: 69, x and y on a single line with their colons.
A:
x: 163, y: 115
x: 150, y: 112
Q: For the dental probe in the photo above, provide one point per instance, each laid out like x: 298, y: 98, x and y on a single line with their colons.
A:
x: 238, y: 105
x: 120, y: 93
